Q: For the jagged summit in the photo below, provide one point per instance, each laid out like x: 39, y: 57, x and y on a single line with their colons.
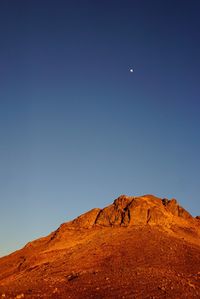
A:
x: 131, y: 210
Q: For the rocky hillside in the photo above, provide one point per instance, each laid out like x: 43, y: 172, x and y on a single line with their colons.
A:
x: 128, y: 211
x: 137, y: 247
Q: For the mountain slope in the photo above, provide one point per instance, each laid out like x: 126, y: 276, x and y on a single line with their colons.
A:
x: 138, y: 247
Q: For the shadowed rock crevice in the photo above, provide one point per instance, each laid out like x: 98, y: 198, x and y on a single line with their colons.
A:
x: 148, y: 215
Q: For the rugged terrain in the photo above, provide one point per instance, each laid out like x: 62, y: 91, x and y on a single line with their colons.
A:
x: 138, y: 247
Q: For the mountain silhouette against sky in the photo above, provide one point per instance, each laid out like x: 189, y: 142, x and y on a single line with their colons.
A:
x: 137, y: 247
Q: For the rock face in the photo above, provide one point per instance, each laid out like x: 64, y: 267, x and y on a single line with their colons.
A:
x: 129, y: 210
x: 137, y: 247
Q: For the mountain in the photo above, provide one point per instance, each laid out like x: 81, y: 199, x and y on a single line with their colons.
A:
x: 137, y: 247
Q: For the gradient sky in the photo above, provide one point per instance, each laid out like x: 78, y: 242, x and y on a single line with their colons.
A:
x: 77, y: 129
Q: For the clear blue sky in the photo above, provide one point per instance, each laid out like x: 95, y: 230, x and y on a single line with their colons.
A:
x: 77, y: 129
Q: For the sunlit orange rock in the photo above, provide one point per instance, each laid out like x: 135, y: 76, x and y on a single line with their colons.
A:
x: 137, y: 247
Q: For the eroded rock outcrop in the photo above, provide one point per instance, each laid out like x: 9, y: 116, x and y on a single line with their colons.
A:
x: 130, y: 210
x: 174, y: 208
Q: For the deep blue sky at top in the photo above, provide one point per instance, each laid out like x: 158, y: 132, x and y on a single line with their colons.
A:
x: 77, y: 129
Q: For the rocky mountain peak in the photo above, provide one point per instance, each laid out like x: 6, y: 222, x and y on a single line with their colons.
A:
x: 131, y: 210
x: 147, y: 242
